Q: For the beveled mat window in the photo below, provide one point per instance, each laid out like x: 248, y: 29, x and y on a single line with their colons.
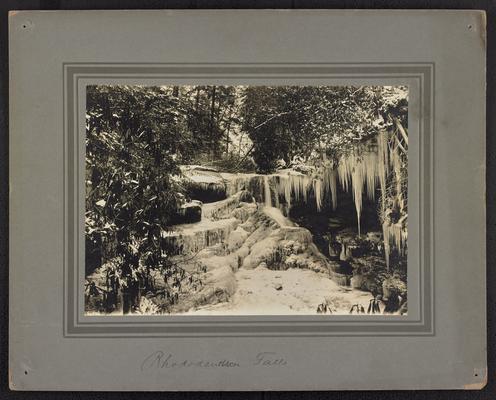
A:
x: 420, y: 79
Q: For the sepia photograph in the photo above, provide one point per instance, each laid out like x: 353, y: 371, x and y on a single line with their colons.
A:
x: 246, y: 200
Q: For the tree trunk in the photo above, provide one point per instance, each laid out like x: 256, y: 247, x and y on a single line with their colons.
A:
x: 240, y: 142
x: 212, y: 118
x: 402, y: 130
x: 126, y: 301
x: 246, y: 155
x: 227, y: 138
x: 130, y: 297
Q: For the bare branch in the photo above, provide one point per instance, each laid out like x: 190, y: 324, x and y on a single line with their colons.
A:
x: 401, y: 130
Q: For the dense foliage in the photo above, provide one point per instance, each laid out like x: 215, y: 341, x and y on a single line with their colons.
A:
x: 133, y: 138
x: 313, y: 122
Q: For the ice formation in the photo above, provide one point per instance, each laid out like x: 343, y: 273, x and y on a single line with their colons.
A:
x: 362, y: 171
x: 394, y: 234
x: 189, y: 239
x: 267, y: 193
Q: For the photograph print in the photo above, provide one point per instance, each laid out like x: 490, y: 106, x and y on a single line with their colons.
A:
x: 246, y: 200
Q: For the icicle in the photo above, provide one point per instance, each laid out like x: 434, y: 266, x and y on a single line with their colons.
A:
x: 317, y: 190
x: 296, y: 188
x: 357, y: 181
x: 287, y: 190
x: 267, y: 194
x: 304, y: 183
x: 382, y: 162
x: 394, y: 236
x: 330, y: 185
x: 334, y: 189
x: 344, y: 171
x: 343, y: 255
x: 370, y: 170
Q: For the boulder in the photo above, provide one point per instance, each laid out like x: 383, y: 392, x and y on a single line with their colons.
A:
x: 264, y: 250
x: 363, y: 282
x: 203, y: 183
x: 393, y: 286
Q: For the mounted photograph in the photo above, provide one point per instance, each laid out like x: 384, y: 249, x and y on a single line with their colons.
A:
x: 246, y: 200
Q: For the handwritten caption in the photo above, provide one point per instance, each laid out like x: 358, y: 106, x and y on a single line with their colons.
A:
x: 160, y: 360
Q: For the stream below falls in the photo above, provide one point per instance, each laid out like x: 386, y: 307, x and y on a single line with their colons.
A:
x: 293, y: 291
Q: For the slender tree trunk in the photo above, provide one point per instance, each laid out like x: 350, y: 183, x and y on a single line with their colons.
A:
x: 227, y: 138
x: 246, y: 155
x: 126, y: 301
x: 197, y: 102
x: 106, y: 293
x: 212, y: 118
x: 240, y: 141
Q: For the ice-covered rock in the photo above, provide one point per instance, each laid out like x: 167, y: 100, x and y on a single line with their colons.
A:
x: 223, y: 208
x: 363, y: 282
x: 191, y: 238
x: 219, y: 286
x: 265, y: 250
x: 236, y: 239
x: 278, y: 249
x: 243, y: 212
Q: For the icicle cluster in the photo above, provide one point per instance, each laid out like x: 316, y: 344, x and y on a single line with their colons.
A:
x: 368, y: 167
x: 330, y: 185
x: 292, y: 186
x: 360, y: 170
x: 383, y: 162
x: 396, y: 235
x: 363, y: 169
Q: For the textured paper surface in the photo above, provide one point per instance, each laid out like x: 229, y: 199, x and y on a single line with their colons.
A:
x: 451, y: 355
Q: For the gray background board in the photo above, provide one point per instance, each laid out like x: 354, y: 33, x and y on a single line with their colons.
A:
x: 453, y: 358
